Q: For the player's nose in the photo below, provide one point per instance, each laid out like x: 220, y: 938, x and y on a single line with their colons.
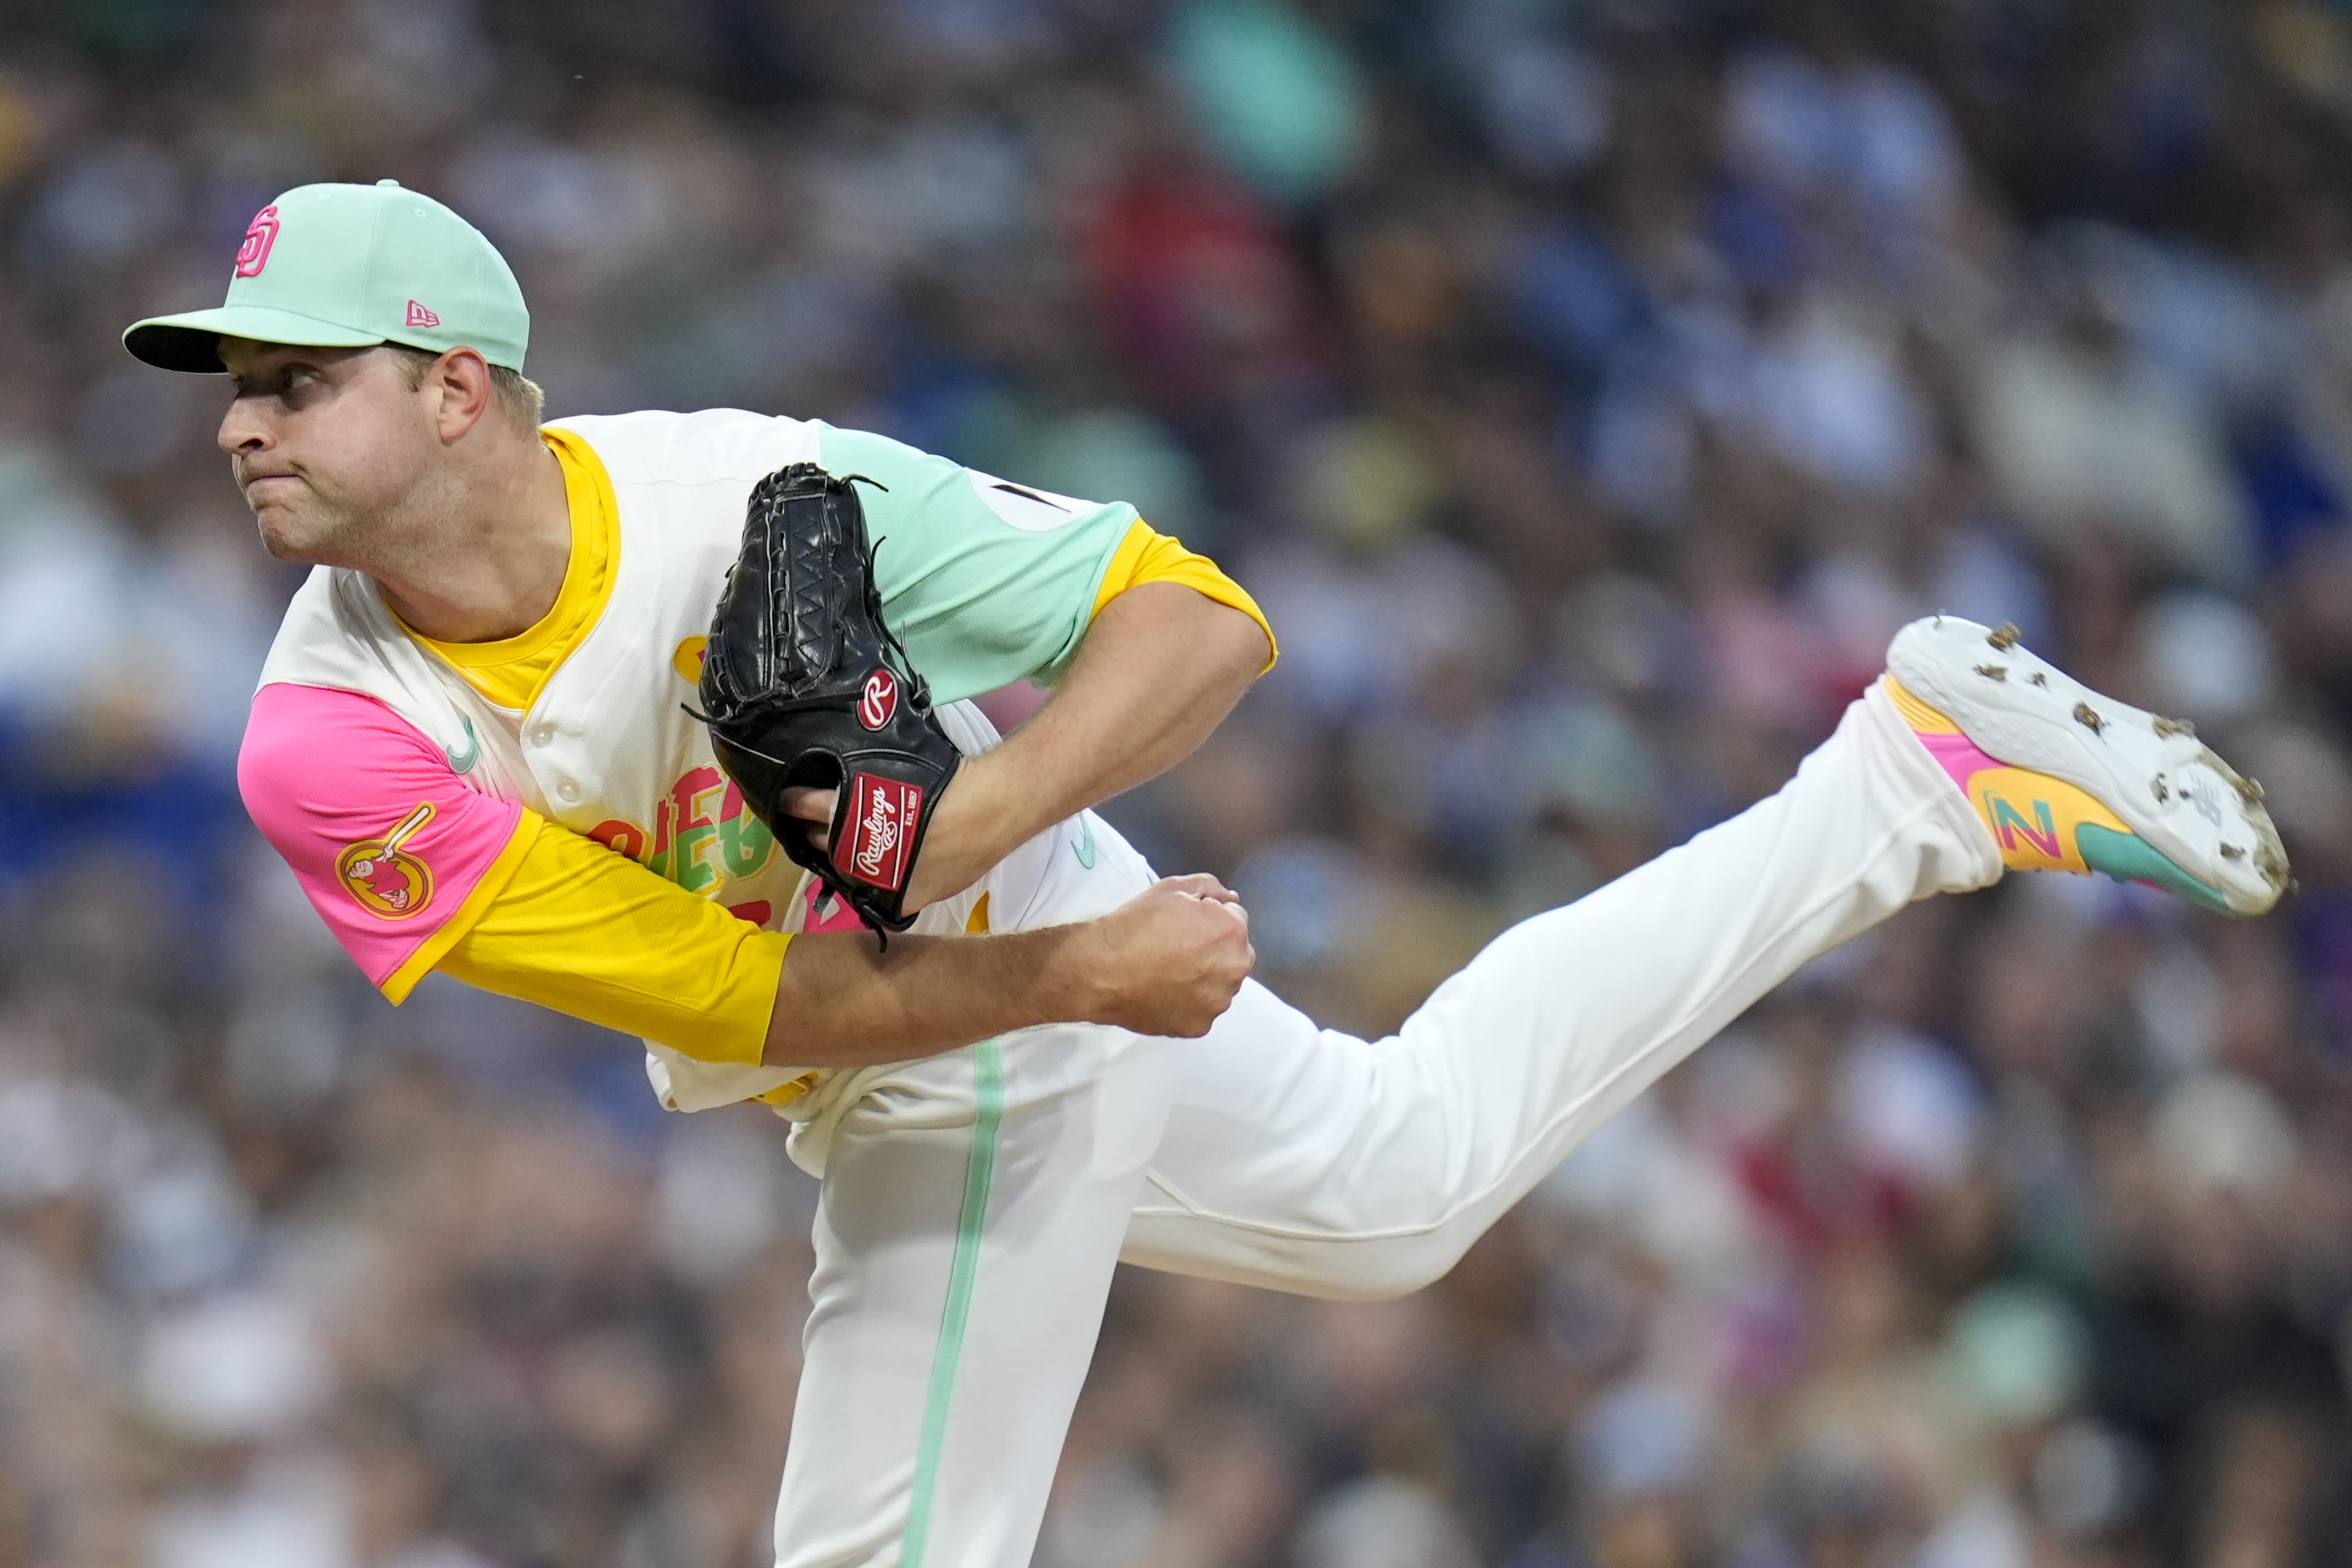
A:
x: 242, y: 428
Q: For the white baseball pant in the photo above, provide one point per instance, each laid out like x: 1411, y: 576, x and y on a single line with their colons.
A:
x: 974, y: 1204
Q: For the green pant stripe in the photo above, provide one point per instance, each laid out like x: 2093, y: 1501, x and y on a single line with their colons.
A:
x: 988, y: 1093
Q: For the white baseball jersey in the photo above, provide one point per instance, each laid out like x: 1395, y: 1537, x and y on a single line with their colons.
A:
x: 606, y: 748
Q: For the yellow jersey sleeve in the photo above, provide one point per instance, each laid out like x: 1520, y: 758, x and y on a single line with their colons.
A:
x: 1147, y: 556
x: 592, y: 933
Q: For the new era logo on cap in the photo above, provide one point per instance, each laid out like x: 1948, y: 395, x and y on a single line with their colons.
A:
x: 420, y: 317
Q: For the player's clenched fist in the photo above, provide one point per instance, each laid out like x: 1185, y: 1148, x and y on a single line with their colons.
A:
x: 1169, y: 959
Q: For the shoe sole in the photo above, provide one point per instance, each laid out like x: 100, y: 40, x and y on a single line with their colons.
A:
x: 2204, y: 822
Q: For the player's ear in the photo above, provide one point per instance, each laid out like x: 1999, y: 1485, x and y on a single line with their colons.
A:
x: 461, y: 380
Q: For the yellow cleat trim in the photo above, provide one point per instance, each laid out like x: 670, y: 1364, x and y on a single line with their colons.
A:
x: 1922, y: 718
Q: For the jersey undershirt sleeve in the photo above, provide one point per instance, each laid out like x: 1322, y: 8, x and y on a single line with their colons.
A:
x: 589, y: 932
x: 412, y: 871
x: 1146, y: 556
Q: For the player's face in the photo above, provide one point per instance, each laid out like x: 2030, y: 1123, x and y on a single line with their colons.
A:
x: 328, y: 446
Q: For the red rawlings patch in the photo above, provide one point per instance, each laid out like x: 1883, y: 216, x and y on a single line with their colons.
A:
x: 879, y: 700
x: 874, y: 841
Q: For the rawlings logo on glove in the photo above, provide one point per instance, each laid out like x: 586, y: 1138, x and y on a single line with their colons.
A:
x: 884, y: 817
x: 804, y: 686
x: 878, y: 701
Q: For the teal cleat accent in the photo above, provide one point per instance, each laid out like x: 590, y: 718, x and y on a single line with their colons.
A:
x: 2126, y: 857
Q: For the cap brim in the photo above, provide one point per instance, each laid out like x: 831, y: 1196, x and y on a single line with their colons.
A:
x: 190, y: 341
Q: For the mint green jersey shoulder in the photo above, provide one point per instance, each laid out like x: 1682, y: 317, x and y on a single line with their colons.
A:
x: 987, y: 582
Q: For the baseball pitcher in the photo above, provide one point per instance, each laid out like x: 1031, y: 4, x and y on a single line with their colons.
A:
x: 662, y: 720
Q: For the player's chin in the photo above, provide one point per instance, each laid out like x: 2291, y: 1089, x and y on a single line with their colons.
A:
x: 289, y: 532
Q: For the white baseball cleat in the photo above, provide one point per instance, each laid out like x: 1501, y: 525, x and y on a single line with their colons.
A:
x: 2067, y: 780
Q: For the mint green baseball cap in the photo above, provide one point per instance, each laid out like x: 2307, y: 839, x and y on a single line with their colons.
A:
x: 345, y: 266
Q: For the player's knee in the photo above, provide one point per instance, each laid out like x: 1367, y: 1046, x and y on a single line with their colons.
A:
x: 1335, y: 1266
x: 1391, y: 1267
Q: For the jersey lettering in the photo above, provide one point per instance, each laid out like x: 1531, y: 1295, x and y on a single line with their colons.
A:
x: 703, y: 834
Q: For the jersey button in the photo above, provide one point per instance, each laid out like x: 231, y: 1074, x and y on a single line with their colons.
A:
x: 541, y: 734
x: 568, y: 790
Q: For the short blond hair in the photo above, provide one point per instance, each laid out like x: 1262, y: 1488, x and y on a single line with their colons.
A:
x: 515, y: 392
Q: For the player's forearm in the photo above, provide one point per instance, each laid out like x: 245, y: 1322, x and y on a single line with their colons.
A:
x: 1166, y: 962
x: 844, y: 1002
x: 1160, y: 668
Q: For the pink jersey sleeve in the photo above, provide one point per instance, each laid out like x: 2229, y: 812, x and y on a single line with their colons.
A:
x: 396, y: 855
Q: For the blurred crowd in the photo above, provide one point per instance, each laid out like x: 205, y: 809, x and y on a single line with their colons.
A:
x: 1587, y: 388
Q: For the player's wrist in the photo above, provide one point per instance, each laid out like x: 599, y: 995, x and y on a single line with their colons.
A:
x: 1073, y: 978
x: 990, y: 811
x: 979, y: 820
x: 1167, y: 961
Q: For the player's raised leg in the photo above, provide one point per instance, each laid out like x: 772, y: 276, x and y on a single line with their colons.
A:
x: 1310, y: 1161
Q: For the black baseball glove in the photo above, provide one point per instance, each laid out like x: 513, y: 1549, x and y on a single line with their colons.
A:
x: 804, y: 685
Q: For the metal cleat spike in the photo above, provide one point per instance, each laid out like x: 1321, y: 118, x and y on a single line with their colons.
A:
x: 2232, y: 853
x: 1993, y: 672
x: 2005, y: 636
x: 2172, y: 727
x: 2038, y: 678
x: 2088, y: 719
x: 2156, y: 785
x: 2250, y: 791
